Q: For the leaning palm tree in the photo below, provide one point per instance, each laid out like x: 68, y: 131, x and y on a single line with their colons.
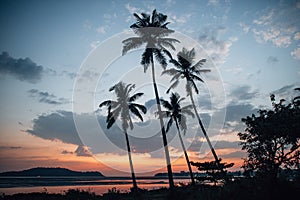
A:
x: 176, y: 114
x: 122, y: 107
x: 186, y: 69
x: 152, y: 31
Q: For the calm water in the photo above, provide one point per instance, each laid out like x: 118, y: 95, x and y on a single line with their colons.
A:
x: 12, y: 185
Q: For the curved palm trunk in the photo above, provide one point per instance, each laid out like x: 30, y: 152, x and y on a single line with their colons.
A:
x: 204, y: 131
x: 163, y: 131
x: 185, y: 154
x: 130, y: 161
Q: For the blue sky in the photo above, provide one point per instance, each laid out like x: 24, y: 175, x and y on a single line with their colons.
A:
x: 254, y: 46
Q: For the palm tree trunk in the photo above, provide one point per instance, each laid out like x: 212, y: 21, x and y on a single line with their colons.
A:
x: 163, y: 131
x: 185, y: 154
x: 130, y: 162
x: 204, y: 131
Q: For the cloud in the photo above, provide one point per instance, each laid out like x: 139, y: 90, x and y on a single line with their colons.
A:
x: 242, y: 93
x: 296, y: 53
x: 56, y: 126
x: 213, y: 2
x: 199, y: 147
x: 216, y: 48
x: 60, y: 125
x: 132, y: 9
x: 235, y: 112
x: 101, y: 29
x: 272, y: 60
x: 245, y: 28
x: 265, y: 19
x: 273, y: 35
x: 83, y: 151
x: 45, y: 97
x: 21, y: 69
x: 66, y: 152
x: 269, y: 26
x: 297, y: 36
x: 287, y: 92
x: 10, y: 147
x: 71, y: 75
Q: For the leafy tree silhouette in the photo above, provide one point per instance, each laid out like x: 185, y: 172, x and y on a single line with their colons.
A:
x: 271, y: 139
x: 184, y: 68
x: 122, y: 107
x: 152, y: 31
x: 176, y: 114
x: 213, y: 169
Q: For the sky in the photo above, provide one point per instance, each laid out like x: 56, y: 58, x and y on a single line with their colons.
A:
x: 59, y: 58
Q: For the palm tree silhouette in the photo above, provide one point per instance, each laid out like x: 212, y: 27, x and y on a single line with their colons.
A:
x: 186, y: 69
x: 122, y: 107
x: 152, y: 31
x: 177, y: 114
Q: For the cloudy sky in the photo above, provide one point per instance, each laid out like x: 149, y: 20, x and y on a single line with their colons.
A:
x: 58, y: 59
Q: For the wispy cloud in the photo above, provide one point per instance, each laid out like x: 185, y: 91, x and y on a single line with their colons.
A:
x: 216, y: 48
x: 296, y: 53
x: 46, y: 97
x: 22, y: 69
x: 269, y: 26
x: 243, y: 93
x: 297, y: 36
x: 101, y: 29
x: 272, y: 60
x: 213, y: 2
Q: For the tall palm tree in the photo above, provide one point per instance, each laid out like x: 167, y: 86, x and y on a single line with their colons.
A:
x: 176, y: 114
x: 122, y: 107
x: 185, y: 68
x: 152, y: 31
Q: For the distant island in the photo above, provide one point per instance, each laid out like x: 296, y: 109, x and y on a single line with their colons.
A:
x: 45, y: 171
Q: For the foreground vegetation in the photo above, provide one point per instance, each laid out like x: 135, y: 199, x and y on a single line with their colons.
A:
x: 250, y: 188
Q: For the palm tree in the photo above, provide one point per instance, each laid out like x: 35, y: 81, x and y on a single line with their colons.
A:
x: 177, y: 113
x: 152, y: 31
x: 186, y: 69
x: 122, y: 107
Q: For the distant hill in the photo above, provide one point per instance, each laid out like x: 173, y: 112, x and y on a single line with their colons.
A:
x: 45, y: 171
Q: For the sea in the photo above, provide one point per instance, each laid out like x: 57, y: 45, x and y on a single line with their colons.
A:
x: 98, y: 185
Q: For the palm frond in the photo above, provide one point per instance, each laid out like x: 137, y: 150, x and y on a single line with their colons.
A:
x: 169, y: 124
x: 196, y: 78
x: 128, y: 89
x: 176, y: 76
x: 171, y: 72
x: 166, y: 104
x: 146, y: 58
x: 135, y: 111
x: 110, y: 122
x: 187, y: 111
x: 160, y: 57
x: 167, y: 53
x: 201, y: 71
x: 112, y: 88
x: 173, y: 86
x: 199, y: 63
x: 193, y: 85
x: 140, y: 107
x: 175, y: 63
x: 182, y: 121
x: 132, y: 43
x: 164, y: 114
x: 105, y: 103
x: 130, y: 123
x: 135, y: 96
